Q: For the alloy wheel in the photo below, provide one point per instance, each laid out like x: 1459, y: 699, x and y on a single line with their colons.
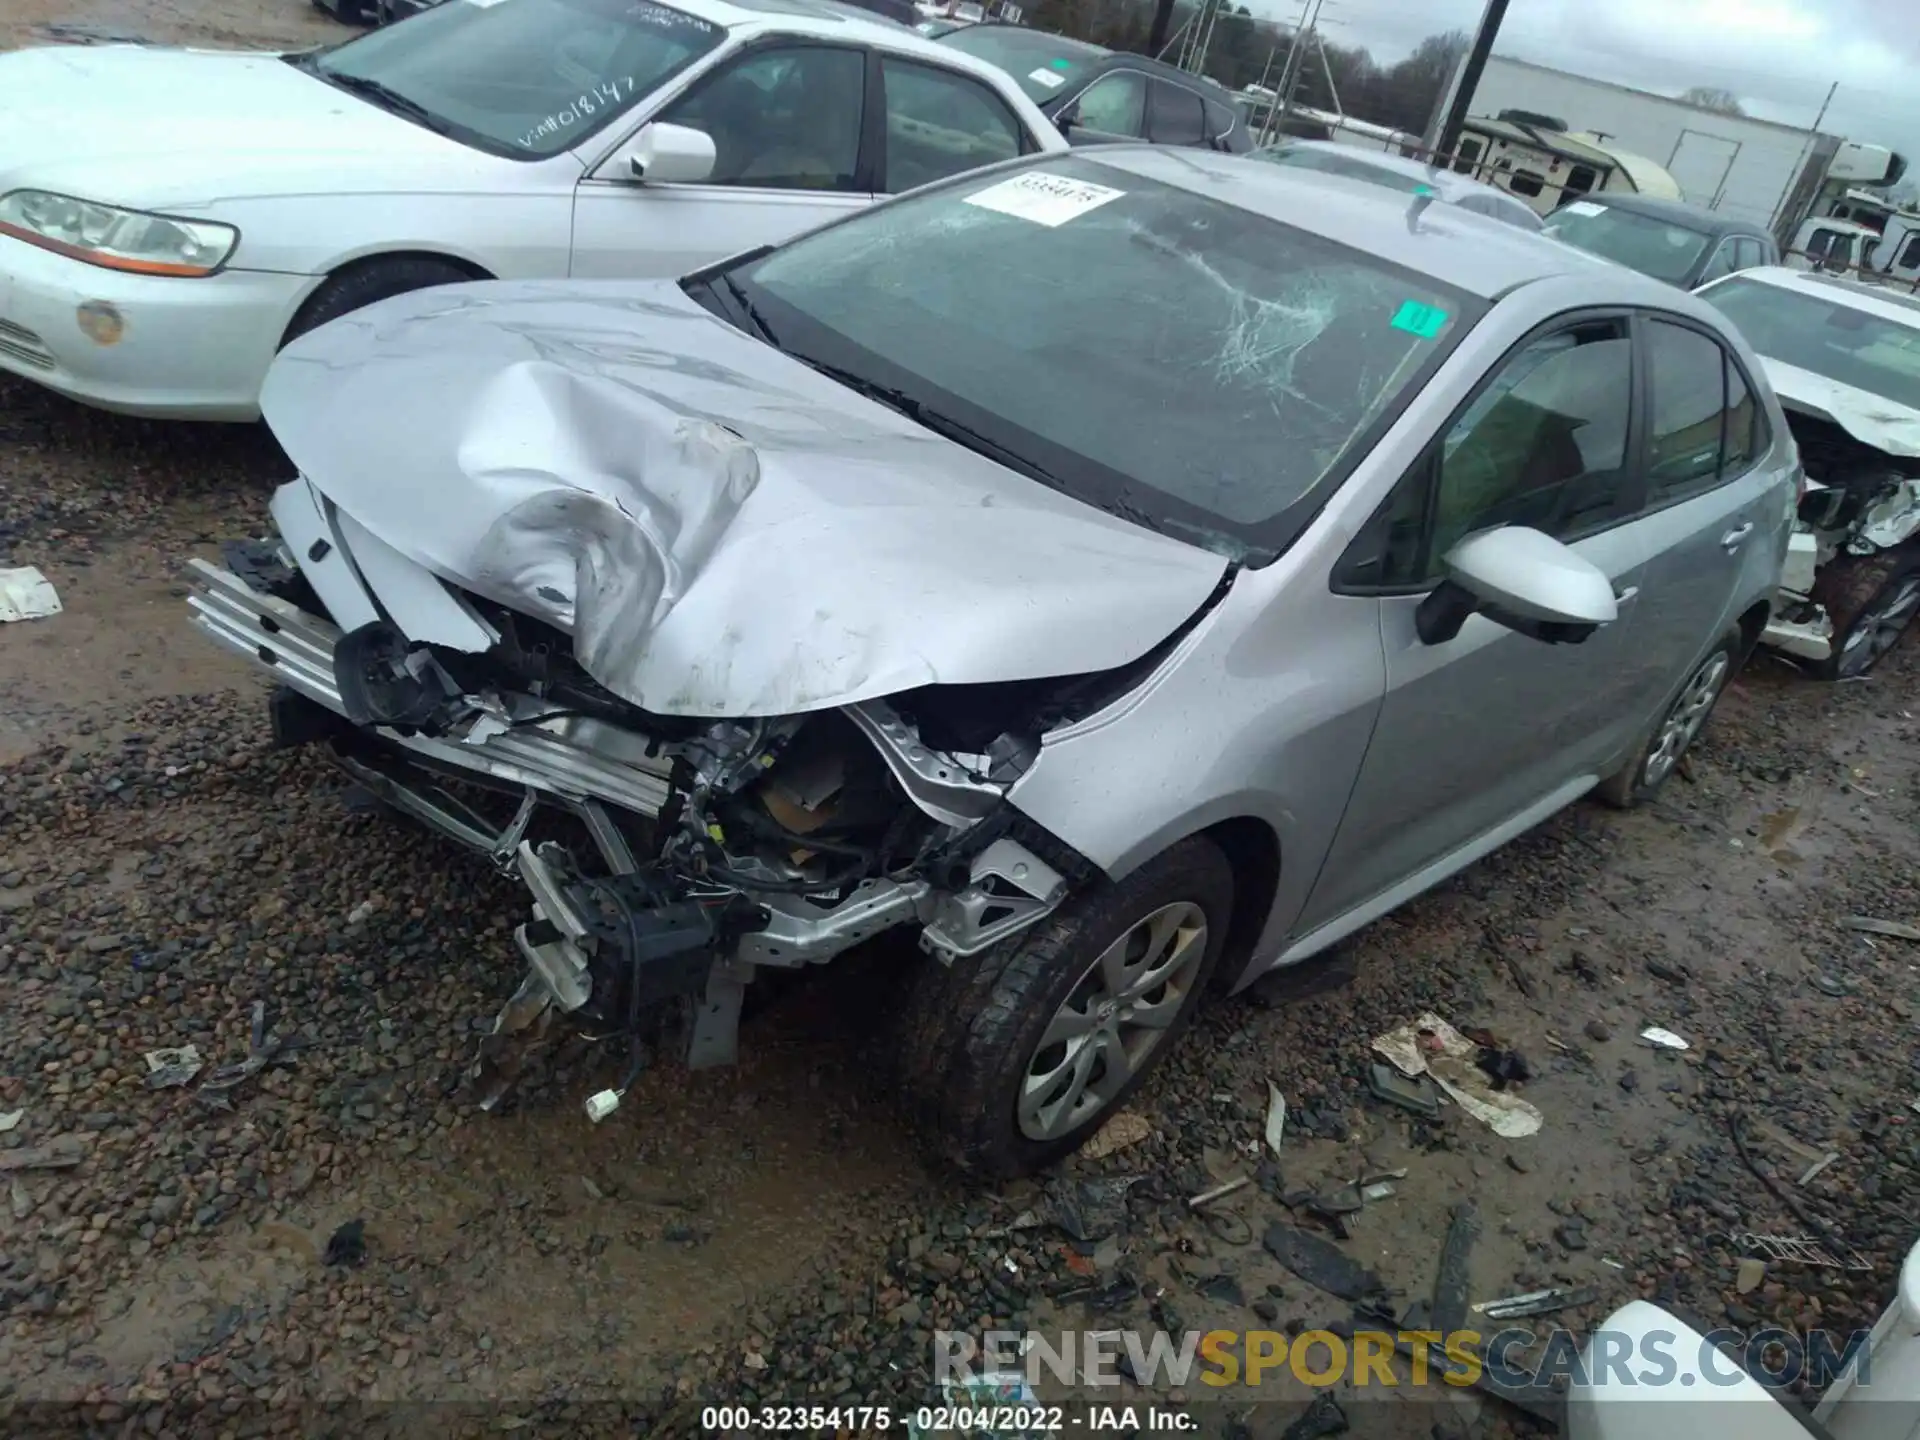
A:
x: 1684, y: 720
x: 1116, y: 1015
x: 1879, y: 628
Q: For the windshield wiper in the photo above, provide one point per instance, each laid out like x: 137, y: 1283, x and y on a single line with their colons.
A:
x: 387, y: 98
x: 749, y: 309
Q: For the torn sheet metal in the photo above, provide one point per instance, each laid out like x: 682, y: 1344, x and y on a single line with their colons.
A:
x: 721, y: 529
x: 26, y: 594
x: 1892, y: 520
x: 1430, y: 1046
x: 1868, y: 418
x: 171, y: 1067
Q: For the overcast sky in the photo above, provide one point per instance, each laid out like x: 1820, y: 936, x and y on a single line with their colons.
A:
x: 1777, y: 56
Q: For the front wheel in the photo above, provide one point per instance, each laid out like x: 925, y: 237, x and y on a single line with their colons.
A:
x: 1871, y: 600
x: 361, y: 284
x: 1668, y: 742
x: 1017, y: 1056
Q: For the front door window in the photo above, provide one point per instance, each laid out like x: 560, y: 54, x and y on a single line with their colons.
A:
x: 782, y: 119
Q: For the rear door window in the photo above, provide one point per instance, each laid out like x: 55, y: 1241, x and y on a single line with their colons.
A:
x: 1175, y: 115
x: 1687, y: 377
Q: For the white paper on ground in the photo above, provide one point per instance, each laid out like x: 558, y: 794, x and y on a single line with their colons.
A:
x: 26, y: 594
x: 1430, y: 1046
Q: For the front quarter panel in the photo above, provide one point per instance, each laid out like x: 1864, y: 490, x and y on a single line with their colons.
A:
x: 1265, y: 713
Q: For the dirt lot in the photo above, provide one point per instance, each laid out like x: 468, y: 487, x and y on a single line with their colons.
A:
x: 766, y: 1234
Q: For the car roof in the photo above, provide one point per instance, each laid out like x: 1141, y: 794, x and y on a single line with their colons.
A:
x: 827, y: 19
x: 1889, y: 304
x: 1117, y: 59
x: 1677, y: 212
x: 1445, y: 182
x: 1478, y: 254
x: 833, y: 20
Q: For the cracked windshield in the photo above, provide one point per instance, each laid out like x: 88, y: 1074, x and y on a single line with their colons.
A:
x: 1190, y: 361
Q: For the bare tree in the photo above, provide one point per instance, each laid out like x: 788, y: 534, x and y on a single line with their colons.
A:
x: 1708, y: 97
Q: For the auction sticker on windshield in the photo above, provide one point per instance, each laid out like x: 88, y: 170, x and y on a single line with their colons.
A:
x: 1049, y: 200
x: 1584, y: 207
x: 1052, y: 79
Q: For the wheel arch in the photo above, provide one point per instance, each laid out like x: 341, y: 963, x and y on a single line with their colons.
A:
x: 366, y: 260
x: 1752, y: 625
x: 1252, y: 848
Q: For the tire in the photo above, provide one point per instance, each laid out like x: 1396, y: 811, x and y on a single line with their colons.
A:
x: 1872, y: 600
x: 1680, y: 724
x: 971, y: 1031
x: 361, y: 285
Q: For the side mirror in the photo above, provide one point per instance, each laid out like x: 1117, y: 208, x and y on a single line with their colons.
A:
x: 664, y: 154
x: 1522, y: 579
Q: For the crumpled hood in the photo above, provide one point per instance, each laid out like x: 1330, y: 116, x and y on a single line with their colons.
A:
x: 149, y: 126
x: 1883, y: 424
x: 722, y: 530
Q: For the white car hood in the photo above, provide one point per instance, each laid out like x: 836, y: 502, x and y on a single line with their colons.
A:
x: 1871, y: 420
x: 151, y: 127
x: 722, y: 530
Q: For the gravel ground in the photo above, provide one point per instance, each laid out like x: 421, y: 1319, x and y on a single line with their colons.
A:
x: 764, y: 1234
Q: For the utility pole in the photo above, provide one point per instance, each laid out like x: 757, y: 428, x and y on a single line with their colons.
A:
x: 1452, y: 113
x: 1781, y: 218
x: 1296, y: 58
x: 1162, y: 23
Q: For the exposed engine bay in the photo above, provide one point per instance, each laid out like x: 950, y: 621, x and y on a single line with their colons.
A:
x: 668, y: 858
x: 1860, y: 500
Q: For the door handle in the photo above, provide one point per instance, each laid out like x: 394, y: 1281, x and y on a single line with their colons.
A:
x: 1621, y: 597
x: 1731, y: 540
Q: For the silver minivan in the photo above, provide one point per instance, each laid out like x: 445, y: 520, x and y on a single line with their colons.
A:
x: 1124, y: 573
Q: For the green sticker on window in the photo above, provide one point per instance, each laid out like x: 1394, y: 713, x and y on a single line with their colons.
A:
x: 1423, y: 190
x: 1426, y: 321
x: 1061, y: 64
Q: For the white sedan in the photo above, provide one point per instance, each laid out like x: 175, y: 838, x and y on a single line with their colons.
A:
x: 170, y: 218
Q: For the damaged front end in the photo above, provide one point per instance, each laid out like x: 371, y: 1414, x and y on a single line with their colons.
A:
x: 667, y: 858
x: 1860, y: 500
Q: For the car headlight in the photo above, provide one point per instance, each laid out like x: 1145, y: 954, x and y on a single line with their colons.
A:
x: 117, y: 239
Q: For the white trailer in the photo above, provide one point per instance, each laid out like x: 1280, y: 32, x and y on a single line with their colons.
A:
x: 1755, y: 169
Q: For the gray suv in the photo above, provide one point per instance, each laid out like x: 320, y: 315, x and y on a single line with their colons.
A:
x: 882, y: 581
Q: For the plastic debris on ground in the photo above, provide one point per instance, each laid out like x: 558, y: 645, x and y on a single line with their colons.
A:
x: 1894, y: 929
x: 168, y: 1068
x: 1417, y: 1094
x: 348, y: 1244
x: 995, y: 1395
x: 1218, y: 1192
x: 1814, y: 1169
x: 1751, y: 1273
x: 1276, y: 1126
x: 11, y: 1119
x: 1122, y: 1130
x: 1430, y: 1046
x: 1322, y: 1418
x: 57, y: 1156
x: 1661, y: 1039
x: 26, y: 594
x: 1536, y: 1302
x: 1320, y: 1263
